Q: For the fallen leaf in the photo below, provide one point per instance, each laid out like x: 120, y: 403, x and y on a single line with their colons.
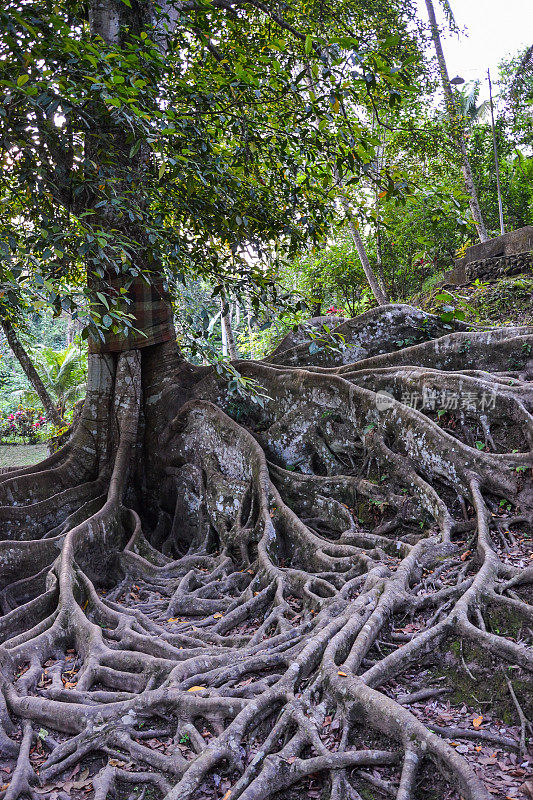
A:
x: 478, y: 748
x: 342, y: 674
x: 476, y: 722
x: 227, y: 795
x: 218, y: 615
x: 465, y: 555
x: 196, y: 688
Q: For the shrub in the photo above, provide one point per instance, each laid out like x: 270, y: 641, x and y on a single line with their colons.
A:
x: 24, y: 423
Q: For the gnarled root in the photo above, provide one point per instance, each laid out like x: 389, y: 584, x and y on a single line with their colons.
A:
x: 265, y: 608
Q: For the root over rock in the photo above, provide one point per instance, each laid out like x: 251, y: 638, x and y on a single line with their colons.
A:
x: 203, y: 598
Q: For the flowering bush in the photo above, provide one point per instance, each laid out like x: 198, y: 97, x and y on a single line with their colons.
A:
x: 25, y: 423
x: 337, y: 312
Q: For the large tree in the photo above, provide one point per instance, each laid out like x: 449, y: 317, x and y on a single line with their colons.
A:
x: 207, y: 597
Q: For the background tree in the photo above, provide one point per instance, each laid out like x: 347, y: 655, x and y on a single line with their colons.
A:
x: 455, y: 122
x: 41, y: 391
x: 63, y: 374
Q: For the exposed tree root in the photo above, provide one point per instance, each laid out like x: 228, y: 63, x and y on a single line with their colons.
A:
x: 204, y: 599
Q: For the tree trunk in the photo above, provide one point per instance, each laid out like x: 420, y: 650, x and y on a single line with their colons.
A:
x: 377, y: 290
x: 203, y: 594
x: 31, y: 373
x: 456, y: 122
x: 174, y: 579
x: 227, y: 327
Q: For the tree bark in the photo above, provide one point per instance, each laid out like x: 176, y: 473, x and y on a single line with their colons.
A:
x: 454, y: 117
x: 227, y: 326
x: 31, y: 373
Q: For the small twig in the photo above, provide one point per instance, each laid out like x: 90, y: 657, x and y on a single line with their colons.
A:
x: 524, y: 722
x: 465, y: 733
x: 423, y: 694
x: 464, y: 664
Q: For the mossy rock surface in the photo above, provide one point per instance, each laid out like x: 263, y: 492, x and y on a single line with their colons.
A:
x: 506, y: 301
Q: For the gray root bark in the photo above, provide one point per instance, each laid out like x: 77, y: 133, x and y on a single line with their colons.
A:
x: 265, y: 598
x: 454, y: 117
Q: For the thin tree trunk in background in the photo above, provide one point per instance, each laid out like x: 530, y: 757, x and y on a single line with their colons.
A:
x: 377, y: 291
x: 226, y: 327
x: 70, y: 330
x: 224, y: 339
x: 74, y: 326
x: 475, y: 209
x: 249, y: 323
x: 380, y: 162
x: 31, y: 373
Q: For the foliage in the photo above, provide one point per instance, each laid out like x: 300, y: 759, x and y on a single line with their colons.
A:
x: 23, y: 423
x: 330, y: 275
x: 516, y: 175
x: 240, y: 386
x: 32, y: 330
x: 516, y: 90
x: 155, y: 152
x: 63, y: 373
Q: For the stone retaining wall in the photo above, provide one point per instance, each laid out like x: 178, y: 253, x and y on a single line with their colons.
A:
x: 490, y: 268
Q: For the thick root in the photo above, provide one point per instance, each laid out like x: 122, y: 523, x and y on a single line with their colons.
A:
x: 280, y: 603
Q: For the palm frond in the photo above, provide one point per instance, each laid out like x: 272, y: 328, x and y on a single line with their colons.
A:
x: 448, y: 13
x: 522, y: 75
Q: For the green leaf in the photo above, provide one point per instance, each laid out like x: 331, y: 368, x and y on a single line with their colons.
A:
x: 102, y: 299
x: 308, y: 43
x: 22, y: 79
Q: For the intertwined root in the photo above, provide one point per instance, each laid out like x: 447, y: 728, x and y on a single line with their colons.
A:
x: 258, y: 605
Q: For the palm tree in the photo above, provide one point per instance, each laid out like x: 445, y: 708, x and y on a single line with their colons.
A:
x: 454, y: 115
x: 39, y: 389
x: 63, y: 373
x: 467, y: 101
